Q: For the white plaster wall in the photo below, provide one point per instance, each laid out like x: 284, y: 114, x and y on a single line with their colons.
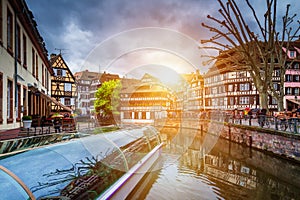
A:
x: 7, y: 66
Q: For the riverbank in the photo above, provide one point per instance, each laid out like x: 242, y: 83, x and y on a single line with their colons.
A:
x: 279, y: 143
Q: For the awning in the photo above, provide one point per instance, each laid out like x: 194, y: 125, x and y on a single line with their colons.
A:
x: 46, y: 96
x: 51, y: 99
x: 33, y: 88
x: 294, y: 101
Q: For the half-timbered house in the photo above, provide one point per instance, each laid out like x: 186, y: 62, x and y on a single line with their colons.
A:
x: 228, y: 89
x: 63, y: 86
x: 292, y: 76
x: 143, y: 101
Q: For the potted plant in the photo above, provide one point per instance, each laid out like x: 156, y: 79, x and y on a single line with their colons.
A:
x: 27, y: 120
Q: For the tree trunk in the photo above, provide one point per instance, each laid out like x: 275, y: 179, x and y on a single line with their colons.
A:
x: 263, y: 100
x: 280, y: 104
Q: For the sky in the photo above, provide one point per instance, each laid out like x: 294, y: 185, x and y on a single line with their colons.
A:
x: 121, y: 36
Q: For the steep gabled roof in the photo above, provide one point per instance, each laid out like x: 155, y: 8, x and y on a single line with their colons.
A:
x: 129, y: 84
x: 107, y: 77
x: 86, y: 75
x: 187, y: 77
x: 57, y: 62
x: 149, y: 78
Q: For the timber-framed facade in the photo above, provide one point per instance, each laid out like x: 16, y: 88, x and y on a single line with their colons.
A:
x: 145, y: 100
x: 63, y: 86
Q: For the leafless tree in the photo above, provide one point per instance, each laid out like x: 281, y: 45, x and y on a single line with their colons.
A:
x: 259, y: 53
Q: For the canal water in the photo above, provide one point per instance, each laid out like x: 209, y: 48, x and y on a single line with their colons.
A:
x: 205, y: 167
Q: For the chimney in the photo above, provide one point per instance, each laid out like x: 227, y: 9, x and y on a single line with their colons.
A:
x: 52, y: 55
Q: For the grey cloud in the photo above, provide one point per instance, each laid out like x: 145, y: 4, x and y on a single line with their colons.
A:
x: 104, y: 18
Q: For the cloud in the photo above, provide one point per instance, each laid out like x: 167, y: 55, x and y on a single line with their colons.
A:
x: 80, y: 26
x: 76, y: 42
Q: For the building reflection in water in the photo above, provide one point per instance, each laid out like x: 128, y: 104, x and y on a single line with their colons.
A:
x: 234, y: 171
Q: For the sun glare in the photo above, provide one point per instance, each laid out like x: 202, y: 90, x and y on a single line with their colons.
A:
x: 170, y: 78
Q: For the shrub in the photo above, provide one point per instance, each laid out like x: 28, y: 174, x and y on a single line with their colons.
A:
x: 26, y: 117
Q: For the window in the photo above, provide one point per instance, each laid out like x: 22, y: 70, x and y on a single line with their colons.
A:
x: 24, y: 51
x: 231, y: 101
x: 288, y: 91
x: 244, y: 87
x: 274, y: 101
x: 36, y: 67
x: 9, y: 101
x: 214, y: 90
x: 1, y: 97
x: 276, y: 73
x: 24, y: 101
x: 241, y: 74
x: 230, y: 88
x: 214, y: 102
x: 9, y: 31
x: 58, y: 72
x: 207, y: 91
x: 296, y: 66
x: 47, y: 79
x: 19, y: 102
x: 288, y: 78
x: 292, y: 54
x: 296, y: 91
x: 43, y: 75
x: 276, y: 86
x: 221, y: 102
x: 296, y: 78
x: 18, y: 43
x: 1, y: 21
x: 244, y: 100
x: 68, y: 87
x: 33, y: 61
x: 67, y: 102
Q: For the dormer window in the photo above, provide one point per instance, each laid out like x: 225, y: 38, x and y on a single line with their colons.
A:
x: 292, y: 54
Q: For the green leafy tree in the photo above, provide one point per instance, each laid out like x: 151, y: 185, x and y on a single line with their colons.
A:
x: 107, y: 99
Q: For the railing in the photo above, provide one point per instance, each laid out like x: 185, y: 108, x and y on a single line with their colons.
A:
x: 289, y: 124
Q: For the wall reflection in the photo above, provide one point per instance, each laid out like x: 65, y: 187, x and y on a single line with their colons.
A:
x: 235, y: 171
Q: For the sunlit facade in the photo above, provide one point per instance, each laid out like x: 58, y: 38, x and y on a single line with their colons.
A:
x: 292, y: 77
x: 145, y: 100
x: 24, y: 67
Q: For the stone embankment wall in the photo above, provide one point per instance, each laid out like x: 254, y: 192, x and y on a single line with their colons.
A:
x: 281, y: 143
